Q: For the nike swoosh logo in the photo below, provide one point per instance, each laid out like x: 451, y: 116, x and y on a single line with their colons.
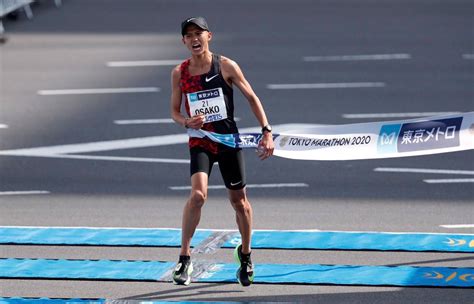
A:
x: 209, y: 79
x: 235, y: 184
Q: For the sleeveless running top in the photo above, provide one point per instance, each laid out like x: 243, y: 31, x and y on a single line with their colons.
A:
x: 210, y: 95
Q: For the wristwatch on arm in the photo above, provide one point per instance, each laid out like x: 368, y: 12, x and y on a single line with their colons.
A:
x: 267, y: 128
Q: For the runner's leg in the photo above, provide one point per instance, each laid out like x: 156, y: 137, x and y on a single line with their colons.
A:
x: 244, y: 213
x: 245, y: 273
x: 232, y: 166
x: 192, y: 210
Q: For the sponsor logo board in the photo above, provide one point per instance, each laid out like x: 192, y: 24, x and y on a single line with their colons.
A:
x: 419, y: 136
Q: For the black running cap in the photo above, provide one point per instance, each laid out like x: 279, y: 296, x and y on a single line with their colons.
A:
x: 198, y: 21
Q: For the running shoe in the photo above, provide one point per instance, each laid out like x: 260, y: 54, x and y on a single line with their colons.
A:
x: 245, y: 272
x: 183, y: 270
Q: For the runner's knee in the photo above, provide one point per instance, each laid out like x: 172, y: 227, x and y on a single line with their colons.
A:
x: 241, y: 205
x: 197, y: 198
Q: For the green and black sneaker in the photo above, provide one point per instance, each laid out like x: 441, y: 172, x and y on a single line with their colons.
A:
x: 245, y: 272
x: 183, y: 270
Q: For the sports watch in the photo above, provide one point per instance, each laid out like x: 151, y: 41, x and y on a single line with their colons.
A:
x: 267, y: 128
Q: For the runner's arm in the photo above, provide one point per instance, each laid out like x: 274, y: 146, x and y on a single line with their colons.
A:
x: 234, y: 74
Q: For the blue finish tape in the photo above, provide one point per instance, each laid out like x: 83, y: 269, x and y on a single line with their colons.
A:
x: 316, y: 240
x: 265, y: 273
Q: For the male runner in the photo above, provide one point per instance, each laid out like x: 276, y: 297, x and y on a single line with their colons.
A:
x: 205, y: 81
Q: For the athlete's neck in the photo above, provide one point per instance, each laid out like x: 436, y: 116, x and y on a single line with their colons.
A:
x: 201, y: 60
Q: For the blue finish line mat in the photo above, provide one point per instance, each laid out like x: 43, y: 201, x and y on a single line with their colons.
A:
x: 219, y: 273
x: 19, y: 300
x: 261, y: 239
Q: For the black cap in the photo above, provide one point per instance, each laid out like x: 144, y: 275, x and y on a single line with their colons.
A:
x: 198, y: 21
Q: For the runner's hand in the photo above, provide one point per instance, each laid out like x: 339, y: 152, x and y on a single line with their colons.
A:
x: 195, y: 122
x: 265, y: 147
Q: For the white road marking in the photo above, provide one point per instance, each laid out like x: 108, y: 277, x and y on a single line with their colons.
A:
x: 149, y: 121
x: 123, y: 159
x: 468, y: 56
x: 100, y: 146
x: 342, y: 85
x: 67, y: 151
x: 457, y: 226
x: 131, y: 143
x: 32, y: 192
x: 419, y: 170
x: 449, y: 181
x: 99, y: 91
x: 144, y: 121
x: 2, y: 126
x: 140, y: 63
x: 396, y: 115
x: 358, y: 57
x: 281, y: 185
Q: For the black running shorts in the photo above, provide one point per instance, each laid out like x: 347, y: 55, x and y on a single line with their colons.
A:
x: 231, y: 165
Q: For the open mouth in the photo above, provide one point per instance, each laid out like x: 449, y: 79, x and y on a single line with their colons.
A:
x: 196, y: 46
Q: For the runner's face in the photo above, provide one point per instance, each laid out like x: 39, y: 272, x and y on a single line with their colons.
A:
x: 197, y: 40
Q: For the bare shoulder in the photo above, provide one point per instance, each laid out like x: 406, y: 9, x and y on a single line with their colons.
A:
x: 229, y: 66
x: 176, y: 71
x: 176, y: 75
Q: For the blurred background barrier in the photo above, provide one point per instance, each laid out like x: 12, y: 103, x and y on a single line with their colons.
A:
x: 11, y: 8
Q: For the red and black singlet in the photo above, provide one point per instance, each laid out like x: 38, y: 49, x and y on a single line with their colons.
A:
x: 209, y: 94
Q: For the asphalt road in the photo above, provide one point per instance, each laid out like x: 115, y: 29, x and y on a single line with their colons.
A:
x: 69, y: 48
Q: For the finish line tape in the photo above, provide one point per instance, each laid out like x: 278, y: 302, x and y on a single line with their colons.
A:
x: 220, y: 273
x: 424, y: 136
x: 261, y: 239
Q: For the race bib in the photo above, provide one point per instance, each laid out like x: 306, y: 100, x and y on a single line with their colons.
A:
x: 209, y: 103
